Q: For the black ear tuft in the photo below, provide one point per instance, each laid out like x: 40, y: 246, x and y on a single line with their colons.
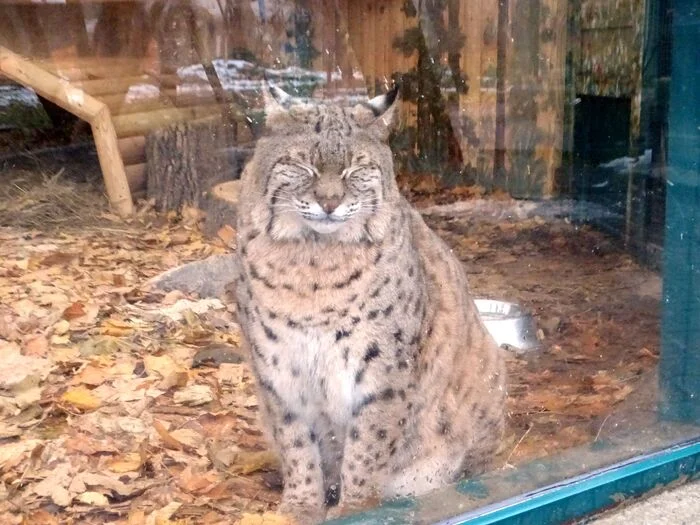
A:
x: 380, y: 104
x: 392, y: 95
x: 386, y: 113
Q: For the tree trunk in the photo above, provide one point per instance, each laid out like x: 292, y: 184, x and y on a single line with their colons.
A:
x: 185, y: 160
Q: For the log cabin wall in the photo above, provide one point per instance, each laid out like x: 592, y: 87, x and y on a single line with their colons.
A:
x: 535, y: 48
x: 607, y: 42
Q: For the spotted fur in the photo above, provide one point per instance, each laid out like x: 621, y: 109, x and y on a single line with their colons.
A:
x: 376, y: 376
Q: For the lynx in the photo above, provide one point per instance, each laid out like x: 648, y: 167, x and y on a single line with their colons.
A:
x: 376, y: 376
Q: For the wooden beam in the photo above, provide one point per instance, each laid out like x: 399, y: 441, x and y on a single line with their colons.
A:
x: 141, y: 123
x: 84, y: 106
x: 119, y: 105
x: 109, y: 86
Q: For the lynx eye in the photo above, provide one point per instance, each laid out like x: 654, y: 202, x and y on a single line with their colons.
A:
x: 352, y: 170
x: 295, y: 168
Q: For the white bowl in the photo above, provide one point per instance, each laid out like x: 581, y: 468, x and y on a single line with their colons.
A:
x: 508, y: 324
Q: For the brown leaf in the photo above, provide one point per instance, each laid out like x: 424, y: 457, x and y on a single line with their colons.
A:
x: 37, y: 346
x: 12, y: 454
x: 228, y: 235
x: 91, y: 375
x: 74, y: 311
x: 198, y: 483
x: 168, y: 440
x: 249, y: 462
x: 58, y: 258
x: 130, y: 462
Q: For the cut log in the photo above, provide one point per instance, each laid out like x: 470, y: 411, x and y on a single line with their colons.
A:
x: 220, y: 205
x: 184, y: 161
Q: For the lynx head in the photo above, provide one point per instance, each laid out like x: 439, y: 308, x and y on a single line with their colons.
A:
x: 323, y: 172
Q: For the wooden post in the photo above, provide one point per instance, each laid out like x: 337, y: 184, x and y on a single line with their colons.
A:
x: 84, y: 106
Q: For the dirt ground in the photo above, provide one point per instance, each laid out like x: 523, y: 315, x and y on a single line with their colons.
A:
x: 108, y: 413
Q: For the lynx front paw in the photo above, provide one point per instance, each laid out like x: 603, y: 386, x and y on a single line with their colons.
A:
x: 346, y: 508
x: 302, y: 514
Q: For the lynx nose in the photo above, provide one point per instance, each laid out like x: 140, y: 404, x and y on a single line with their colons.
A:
x: 329, y: 204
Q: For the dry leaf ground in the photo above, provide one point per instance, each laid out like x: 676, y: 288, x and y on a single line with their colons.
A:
x: 104, y: 420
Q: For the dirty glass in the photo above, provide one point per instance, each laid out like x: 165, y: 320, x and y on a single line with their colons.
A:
x: 552, y: 145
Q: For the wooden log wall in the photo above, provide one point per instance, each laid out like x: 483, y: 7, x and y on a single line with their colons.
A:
x: 608, y: 52
x: 352, y: 44
x: 478, y: 22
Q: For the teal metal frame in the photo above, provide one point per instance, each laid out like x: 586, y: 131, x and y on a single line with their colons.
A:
x: 585, y: 494
x: 545, y: 492
x: 679, y: 367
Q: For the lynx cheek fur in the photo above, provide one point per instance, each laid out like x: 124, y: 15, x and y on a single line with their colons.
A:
x: 375, y: 374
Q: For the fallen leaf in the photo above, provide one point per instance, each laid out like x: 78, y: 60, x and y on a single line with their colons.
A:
x: 164, y: 366
x: 91, y: 375
x: 61, y: 327
x: 188, y: 437
x: 194, y: 395
x: 85, y: 480
x: 13, y: 454
x: 93, y: 498
x: 231, y: 374
x: 58, y: 258
x: 130, y: 462
x: 37, y: 346
x: 162, y: 516
x: 168, y: 440
x: 54, y: 485
x: 249, y: 462
x: 116, y: 328
x: 228, y: 235
x: 268, y: 518
x: 197, y: 483
x: 81, y: 398
x: 74, y: 311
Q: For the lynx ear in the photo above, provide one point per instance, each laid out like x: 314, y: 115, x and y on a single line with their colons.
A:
x: 277, y: 104
x: 386, y: 110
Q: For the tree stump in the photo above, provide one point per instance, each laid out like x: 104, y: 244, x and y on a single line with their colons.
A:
x: 220, y: 207
x: 185, y: 160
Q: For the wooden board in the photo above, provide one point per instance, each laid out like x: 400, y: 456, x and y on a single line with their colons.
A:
x: 141, y: 123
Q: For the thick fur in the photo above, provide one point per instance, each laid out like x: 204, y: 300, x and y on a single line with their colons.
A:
x: 375, y: 374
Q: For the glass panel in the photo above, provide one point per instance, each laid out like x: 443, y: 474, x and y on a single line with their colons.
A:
x: 200, y: 225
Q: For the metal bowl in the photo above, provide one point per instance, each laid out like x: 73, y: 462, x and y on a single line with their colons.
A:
x: 508, y: 324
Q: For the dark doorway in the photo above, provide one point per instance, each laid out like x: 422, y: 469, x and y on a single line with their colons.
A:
x: 601, y: 162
